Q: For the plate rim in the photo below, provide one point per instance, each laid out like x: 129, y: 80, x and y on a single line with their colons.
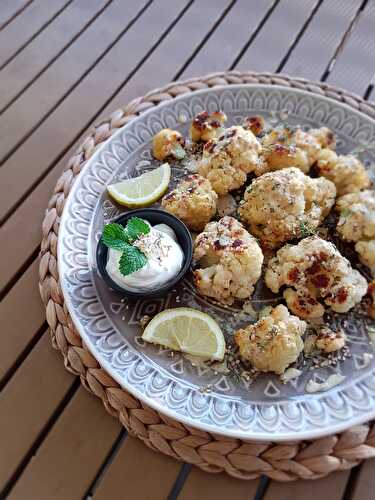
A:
x: 153, y: 402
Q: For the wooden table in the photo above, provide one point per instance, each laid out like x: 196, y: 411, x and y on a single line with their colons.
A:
x: 65, y: 64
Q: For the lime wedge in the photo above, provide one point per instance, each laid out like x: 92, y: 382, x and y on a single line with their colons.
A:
x: 187, y: 330
x: 144, y: 190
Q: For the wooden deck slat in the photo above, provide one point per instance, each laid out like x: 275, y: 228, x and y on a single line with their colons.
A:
x: 27, y: 403
x: 331, y: 487
x: 10, y: 9
x: 51, y: 137
x: 24, y: 26
x: 70, y: 455
x: 201, y: 485
x: 17, y: 121
x: 19, y: 328
x: 276, y: 36
x: 144, y: 474
x: 78, y: 108
x: 228, y: 39
x: 355, y: 65
x: 364, y: 484
x: 179, y: 44
x: 171, y: 65
x: 317, y: 46
x: 40, y: 52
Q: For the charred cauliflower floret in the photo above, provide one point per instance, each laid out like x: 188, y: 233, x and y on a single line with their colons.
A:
x: 168, y: 143
x: 274, y: 342
x: 357, y: 216
x: 312, y: 270
x: 286, y: 204
x: 346, y: 171
x: 302, y: 303
x: 207, y: 126
x: 193, y: 201
x: 227, y: 160
x: 330, y: 341
x: 285, y: 147
x: 256, y: 124
x: 229, y: 260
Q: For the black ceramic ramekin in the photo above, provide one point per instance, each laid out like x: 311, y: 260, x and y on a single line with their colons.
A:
x: 153, y: 216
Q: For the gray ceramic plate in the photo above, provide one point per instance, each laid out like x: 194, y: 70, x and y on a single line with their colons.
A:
x: 264, y: 409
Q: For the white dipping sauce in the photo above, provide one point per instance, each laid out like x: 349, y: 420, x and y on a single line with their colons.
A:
x: 164, y: 261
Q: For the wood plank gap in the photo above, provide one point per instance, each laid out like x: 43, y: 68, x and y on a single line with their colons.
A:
x: 55, y: 57
x: 369, y: 89
x: 204, y: 40
x: 264, y: 482
x: 180, y: 481
x: 299, y: 36
x: 352, y: 482
x: 254, y: 34
x: 106, y: 463
x: 93, y: 118
x: 25, y: 44
x: 343, y: 41
x: 17, y: 13
x: 21, y: 358
x: 41, y: 437
x: 63, y: 97
x: 8, y: 286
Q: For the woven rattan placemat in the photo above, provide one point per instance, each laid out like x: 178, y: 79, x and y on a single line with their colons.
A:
x: 212, y: 453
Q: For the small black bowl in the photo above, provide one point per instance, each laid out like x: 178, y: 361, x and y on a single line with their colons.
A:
x: 153, y: 216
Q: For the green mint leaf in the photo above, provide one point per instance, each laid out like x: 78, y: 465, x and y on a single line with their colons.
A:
x: 135, y: 228
x: 131, y: 260
x: 114, y: 236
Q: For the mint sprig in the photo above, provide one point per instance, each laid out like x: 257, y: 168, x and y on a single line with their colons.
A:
x: 136, y: 227
x: 114, y: 236
x: 132, y: 259
x: 121, y: 238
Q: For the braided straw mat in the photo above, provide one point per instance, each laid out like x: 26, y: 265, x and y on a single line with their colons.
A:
x: 212, y: 453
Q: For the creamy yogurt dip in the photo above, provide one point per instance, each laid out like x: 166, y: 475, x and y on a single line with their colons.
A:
x: 164, y: 261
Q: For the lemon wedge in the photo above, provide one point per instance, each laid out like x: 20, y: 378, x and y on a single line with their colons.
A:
x: 144, y: 190
x: 187, y: 330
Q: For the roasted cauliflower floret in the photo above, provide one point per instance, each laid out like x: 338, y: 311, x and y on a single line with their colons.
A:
x: 302, y: 303
x: 229, y: 260
x: 284, y: 147
x: 324, y: 136
x: 193, y: 201
x: 357, y: 223
x: 346, y: 171
x: 256, y: 124
x: 312, y: 270
x: 207, y: 126
x: 330, y: 341
x: 227, y: 160
x: 168, y: 143
x: 357, y: 216
x: 366, y: 253
x: 274, y: 342
x: 286, y: 204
